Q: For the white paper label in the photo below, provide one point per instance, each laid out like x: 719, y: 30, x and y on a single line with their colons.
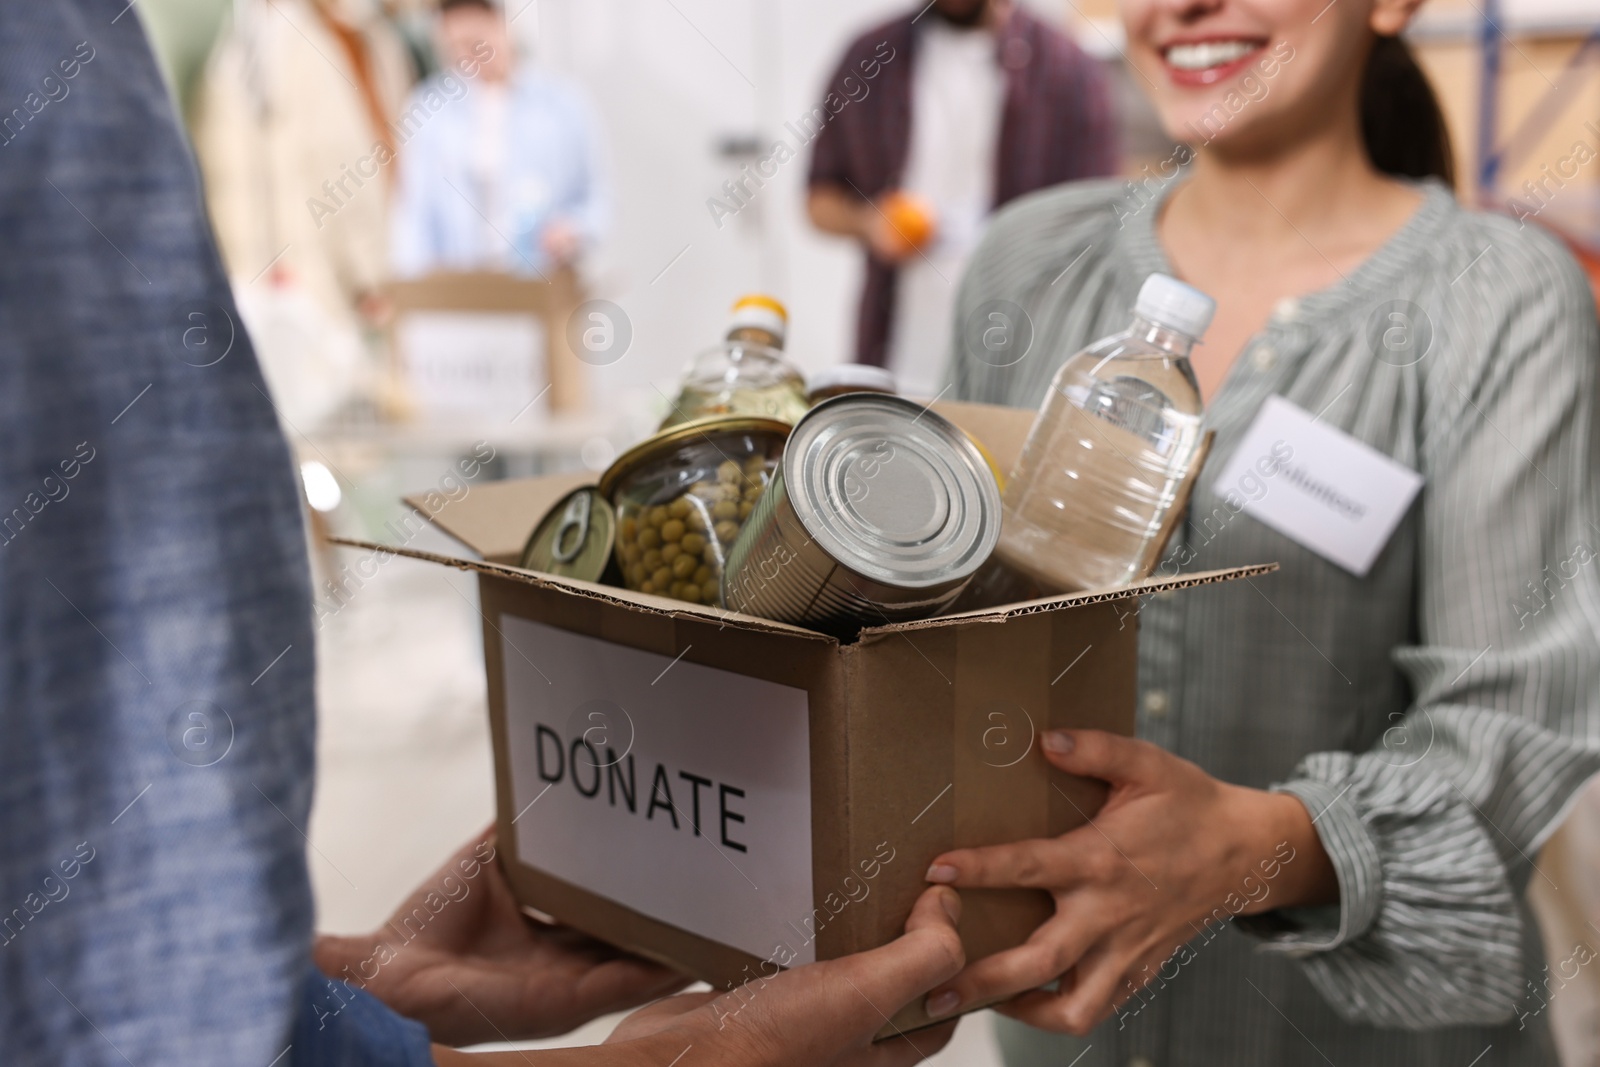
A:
x: 477, y: 363
x: 680, y: 791
x: 1318, y: 486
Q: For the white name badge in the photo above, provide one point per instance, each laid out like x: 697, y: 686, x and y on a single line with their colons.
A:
x: 1318, y: 486
x: 678, y: 790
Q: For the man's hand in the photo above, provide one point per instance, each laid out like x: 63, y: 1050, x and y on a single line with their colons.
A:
x: 821, y: 1015
x: 561, y: 241
x: 893, y: 228
x: 461, y: 958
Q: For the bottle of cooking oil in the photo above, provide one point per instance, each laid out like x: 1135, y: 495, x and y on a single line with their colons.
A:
x: 1110, y: 449
x: 747, y: 374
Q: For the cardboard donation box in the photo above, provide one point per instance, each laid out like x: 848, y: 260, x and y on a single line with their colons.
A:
x: 730, y: 794
x: 486, y: 345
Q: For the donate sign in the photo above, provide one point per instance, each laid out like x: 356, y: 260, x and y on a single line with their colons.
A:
x: 678, y: 790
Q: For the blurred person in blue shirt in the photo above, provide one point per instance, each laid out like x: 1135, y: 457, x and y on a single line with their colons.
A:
x: 503, y: 176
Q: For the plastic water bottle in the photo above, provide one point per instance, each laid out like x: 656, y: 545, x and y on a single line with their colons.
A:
x: 1112, y: 446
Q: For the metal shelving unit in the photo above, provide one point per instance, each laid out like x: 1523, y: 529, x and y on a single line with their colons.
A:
x: 1498, y: 149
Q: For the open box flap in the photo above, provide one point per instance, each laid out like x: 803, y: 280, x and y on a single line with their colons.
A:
x: 1001, y: 430
x: 660, y: 605
x: 1071, y: 600
x: 494, y: 518
x: 608, y: 594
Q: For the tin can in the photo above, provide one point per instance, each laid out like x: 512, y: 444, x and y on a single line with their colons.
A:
x: 575, y: 538
x: 880, y: 511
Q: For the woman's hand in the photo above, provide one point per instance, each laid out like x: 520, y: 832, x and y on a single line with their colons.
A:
x: 820, y: 1015
x: 461, y: 958
x: 1172, y: 850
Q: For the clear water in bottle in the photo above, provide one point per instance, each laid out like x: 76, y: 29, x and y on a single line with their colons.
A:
x: 1110, y: 450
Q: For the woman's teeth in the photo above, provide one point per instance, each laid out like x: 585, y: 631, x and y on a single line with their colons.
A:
x: 1208, y: 54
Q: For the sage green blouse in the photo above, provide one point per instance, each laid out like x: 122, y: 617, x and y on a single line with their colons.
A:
x: 1436, y: 716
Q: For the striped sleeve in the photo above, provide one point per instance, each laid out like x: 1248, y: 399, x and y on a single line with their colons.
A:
x: 1433, y: 832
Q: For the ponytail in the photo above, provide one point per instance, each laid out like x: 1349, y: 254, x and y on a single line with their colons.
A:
x: 1401, y: 121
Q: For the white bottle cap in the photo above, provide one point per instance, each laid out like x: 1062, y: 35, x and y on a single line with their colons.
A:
x: 1177, y: 306
x: 761, y: 312
x: 853, y: 376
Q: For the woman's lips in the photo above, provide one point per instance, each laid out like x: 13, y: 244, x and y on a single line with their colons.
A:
x: 1202, y: 63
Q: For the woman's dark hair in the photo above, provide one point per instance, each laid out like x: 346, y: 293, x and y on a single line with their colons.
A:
x: 1401, y: 121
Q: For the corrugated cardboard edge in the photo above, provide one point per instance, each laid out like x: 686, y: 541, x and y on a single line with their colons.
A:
x: 1029, y: 607
x: 605, y: 594
x: 656, y: 605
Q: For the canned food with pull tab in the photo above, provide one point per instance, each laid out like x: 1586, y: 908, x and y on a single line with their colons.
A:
x: 575, y: 538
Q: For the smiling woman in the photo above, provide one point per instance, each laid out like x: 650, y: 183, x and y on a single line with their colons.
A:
x: 1405, y: 725
x: 1255, y: 69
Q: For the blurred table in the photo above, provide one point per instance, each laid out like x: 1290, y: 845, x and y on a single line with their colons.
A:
x: 535, y: 443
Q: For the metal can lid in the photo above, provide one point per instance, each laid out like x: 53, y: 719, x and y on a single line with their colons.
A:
x: 575, y: 538
x: 671, y: 439
x: 892, y: 490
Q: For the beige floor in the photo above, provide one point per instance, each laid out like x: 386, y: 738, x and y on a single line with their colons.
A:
x: 404, y: 773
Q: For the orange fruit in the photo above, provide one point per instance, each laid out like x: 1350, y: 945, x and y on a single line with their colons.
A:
x: 911, y: 217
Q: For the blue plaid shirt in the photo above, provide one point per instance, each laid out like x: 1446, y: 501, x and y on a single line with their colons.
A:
x: 156, y: 656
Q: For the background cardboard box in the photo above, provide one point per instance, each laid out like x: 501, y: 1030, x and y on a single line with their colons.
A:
x: 730, y: 794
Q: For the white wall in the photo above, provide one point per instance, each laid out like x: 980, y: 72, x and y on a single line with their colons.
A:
x: 670, y: 80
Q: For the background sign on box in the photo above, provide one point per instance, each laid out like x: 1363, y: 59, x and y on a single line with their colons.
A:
x: 472, y: 363
x: 589, y: 722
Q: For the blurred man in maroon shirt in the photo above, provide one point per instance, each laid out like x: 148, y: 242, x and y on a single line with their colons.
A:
x: 961, y: 106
